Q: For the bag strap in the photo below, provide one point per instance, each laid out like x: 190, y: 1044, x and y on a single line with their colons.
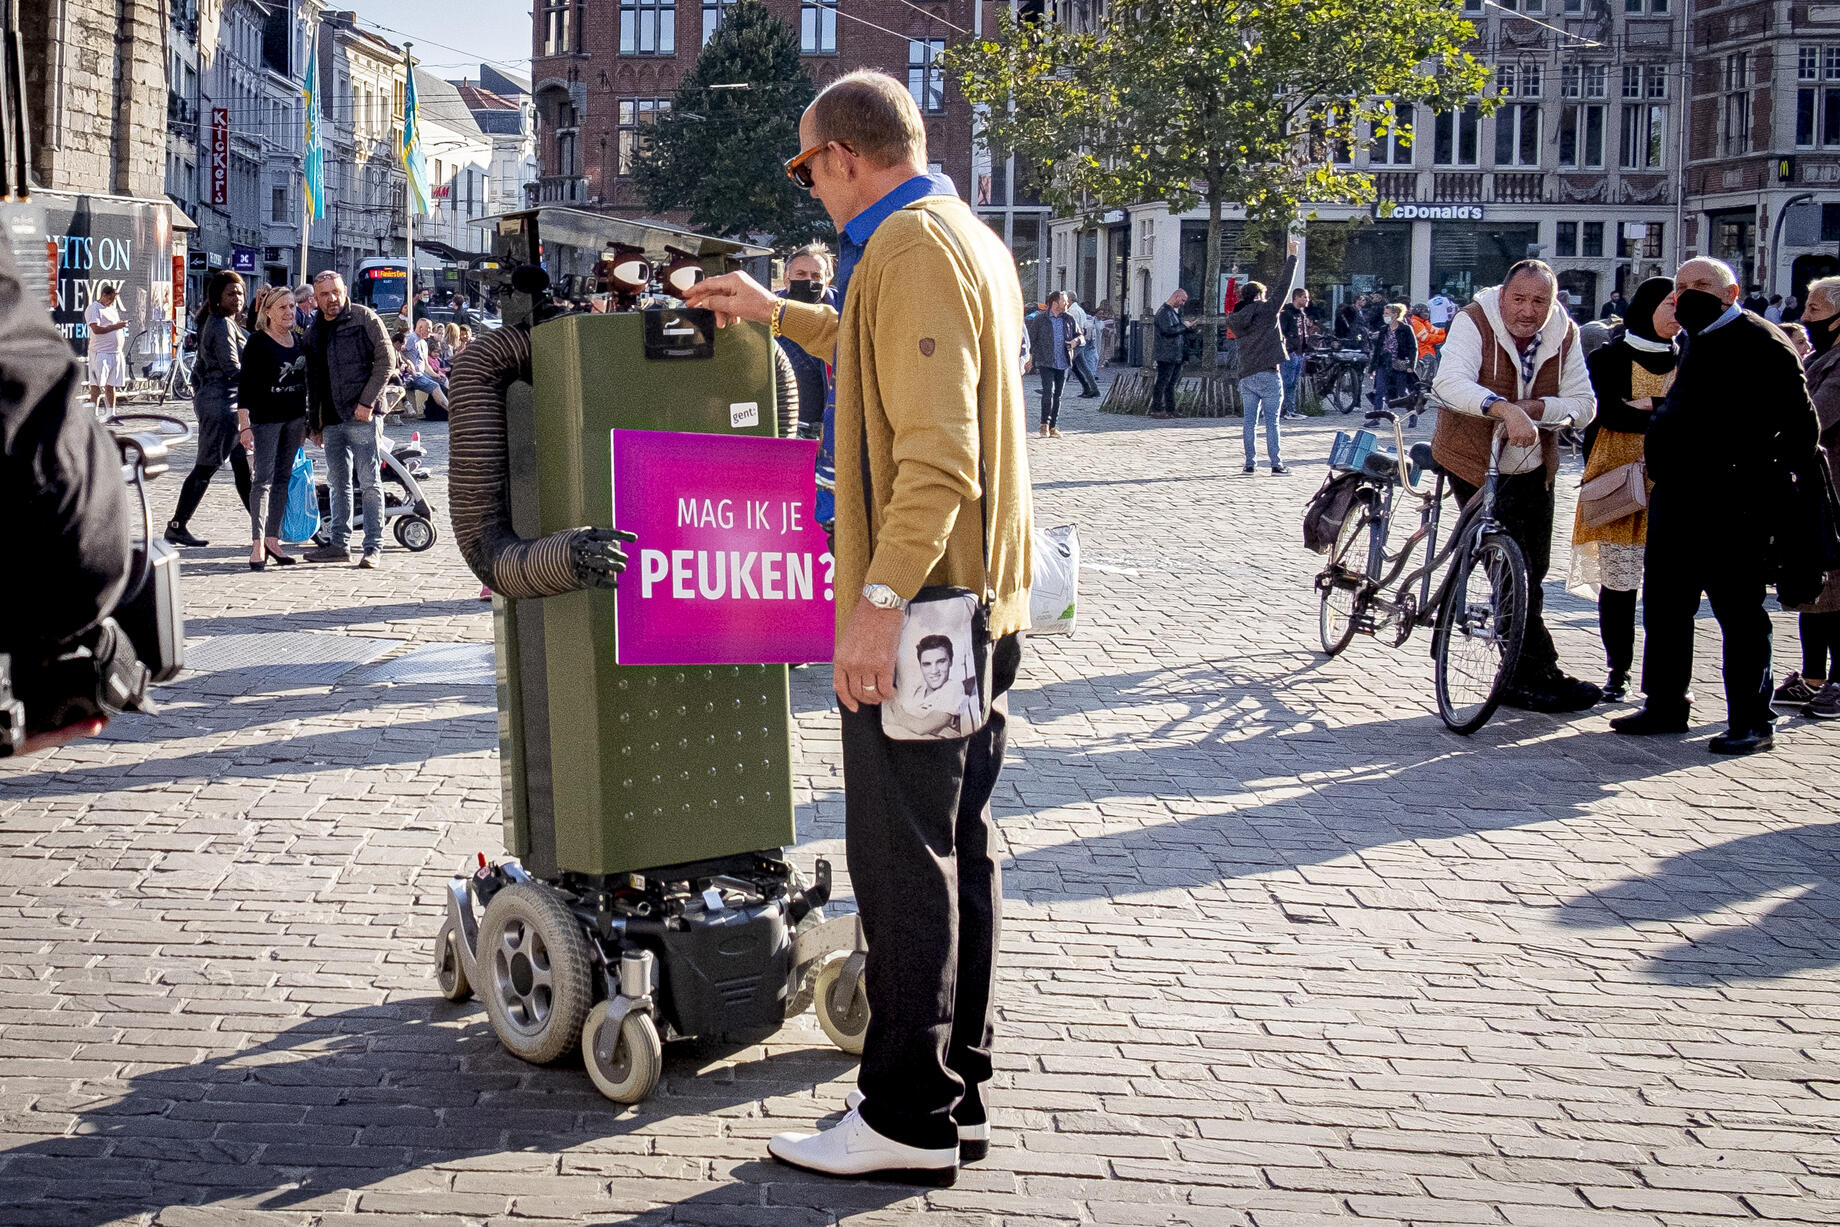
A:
x: 868, y: 489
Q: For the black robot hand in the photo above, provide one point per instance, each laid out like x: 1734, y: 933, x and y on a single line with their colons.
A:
x: 598, y: 557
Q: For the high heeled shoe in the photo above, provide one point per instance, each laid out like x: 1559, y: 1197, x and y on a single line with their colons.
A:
x: 279, y: 559
x: 257, y: 564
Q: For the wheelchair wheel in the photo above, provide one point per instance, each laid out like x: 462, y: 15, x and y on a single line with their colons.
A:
x: 847, y: 1026
x: 631, y: 1068
x: 449, y: 971
x: 533, y: 964
x: 1480, y: 629
x: 1342, y: 600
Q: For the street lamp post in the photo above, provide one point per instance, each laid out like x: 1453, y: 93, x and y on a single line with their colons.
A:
x: 1776, y: 229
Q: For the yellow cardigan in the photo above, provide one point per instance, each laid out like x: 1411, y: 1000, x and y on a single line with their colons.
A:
x: 929, y: 360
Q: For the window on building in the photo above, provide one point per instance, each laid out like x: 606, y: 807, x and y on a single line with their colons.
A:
x: 558, y: 27
x: 1393, y: 147
x: 1517, y: 135
x: 637, y: 115
x: 1574, y: 6
x: 1581, y: 136
x: 1830, y: 223
x: 712, y: 17
x: 926, y: 77
x: 1453, y: 138
x: 1644, y: 130
x: 1593, y: 239
x: 1645, y: 245
x: 1638, y: 6
x: 1565, y: 238
x: 1519, y: 80
x: 648, y: 27
x: 818, y: 27
x: 1817, y: 109
x: 1808, y: 64
x: 278, y: 205
x: 1737, y: 111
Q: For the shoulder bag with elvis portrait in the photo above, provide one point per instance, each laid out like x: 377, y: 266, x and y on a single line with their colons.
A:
x: 942, y: 679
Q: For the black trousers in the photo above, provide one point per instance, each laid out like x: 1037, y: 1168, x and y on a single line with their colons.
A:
x: 1687, y: 558
x: 1820, y: 644
x: 1052, y: 382
x: 1163, y: 395
x: 1524, y: 505
x: 918, y: 836
x: 217, y: 441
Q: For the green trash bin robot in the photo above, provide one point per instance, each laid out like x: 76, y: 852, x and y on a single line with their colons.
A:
x: 647, y: 806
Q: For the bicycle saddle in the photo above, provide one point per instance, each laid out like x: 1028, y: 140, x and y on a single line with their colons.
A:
x: 1423, y: 460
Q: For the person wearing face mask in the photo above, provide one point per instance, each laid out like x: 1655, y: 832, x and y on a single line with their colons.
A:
x: 1630, y: 375
x: 1513, y: 362
x: 808, y: 280
x: 1815, y: 687
x: 1735, y: 424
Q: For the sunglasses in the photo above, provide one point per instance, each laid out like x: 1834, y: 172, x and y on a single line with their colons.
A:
x: 798, y: 169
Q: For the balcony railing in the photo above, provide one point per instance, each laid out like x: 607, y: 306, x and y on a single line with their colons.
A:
x: 1458, y: 188
x: 1397, y: 186
x: 1520, y: 188
x: 562, y: 189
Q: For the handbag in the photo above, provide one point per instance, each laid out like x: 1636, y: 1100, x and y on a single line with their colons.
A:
x: 301, y: 519
x: 1622, y: 491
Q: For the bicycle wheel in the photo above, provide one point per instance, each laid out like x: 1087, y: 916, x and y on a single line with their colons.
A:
x: 1479, y: 632
x: 1343, y: 600
x: 1345, y: 389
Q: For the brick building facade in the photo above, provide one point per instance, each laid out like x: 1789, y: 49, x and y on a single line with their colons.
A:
x: 603, y: 71
x: 96, y: 95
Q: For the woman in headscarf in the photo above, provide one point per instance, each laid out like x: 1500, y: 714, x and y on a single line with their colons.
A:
x: 1631, y: 376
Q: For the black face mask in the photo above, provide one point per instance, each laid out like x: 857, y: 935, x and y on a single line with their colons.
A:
x: 805, y: 291
x: 1822, y: 333
x: 1696, y: 309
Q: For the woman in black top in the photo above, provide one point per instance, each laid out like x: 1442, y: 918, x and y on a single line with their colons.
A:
x: 272, y: 418
x: 220, y: 350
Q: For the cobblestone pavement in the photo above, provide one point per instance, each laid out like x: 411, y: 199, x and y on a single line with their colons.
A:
x: 1279, y: 949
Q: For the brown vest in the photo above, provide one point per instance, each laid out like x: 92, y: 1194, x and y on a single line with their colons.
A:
x: 1461, y: 441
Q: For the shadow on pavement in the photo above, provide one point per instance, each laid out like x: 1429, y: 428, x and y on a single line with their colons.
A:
x: 369, y: 616
x: 1785, y: 884
x: 353, y: 1100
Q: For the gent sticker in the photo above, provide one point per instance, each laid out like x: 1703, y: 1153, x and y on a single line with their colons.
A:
x: 744, y: 413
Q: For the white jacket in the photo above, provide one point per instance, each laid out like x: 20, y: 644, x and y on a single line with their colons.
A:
x: 1461, y: 363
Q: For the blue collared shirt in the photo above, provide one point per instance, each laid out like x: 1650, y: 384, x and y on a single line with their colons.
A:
x: 856, y: 234
x: 1730, y: 313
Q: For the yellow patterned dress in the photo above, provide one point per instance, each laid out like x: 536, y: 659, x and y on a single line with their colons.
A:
x: 1610, y: 555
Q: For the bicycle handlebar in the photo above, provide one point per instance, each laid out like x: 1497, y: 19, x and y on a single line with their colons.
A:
x: 1408, y: 476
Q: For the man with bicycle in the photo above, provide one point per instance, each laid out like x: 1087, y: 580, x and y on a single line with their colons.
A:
x: 1513, y: 362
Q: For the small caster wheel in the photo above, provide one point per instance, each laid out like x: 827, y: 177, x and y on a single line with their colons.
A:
x: 414, y: 533
x: 631, y: 1072
x: 801, y: 1001
x: 533, y: 970
x: 849, y: 1027
x: 448, y: 968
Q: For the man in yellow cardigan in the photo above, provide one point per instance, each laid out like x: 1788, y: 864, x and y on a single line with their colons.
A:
x: 930, y: 417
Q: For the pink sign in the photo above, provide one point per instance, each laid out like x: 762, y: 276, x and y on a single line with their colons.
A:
x: 729, y: 568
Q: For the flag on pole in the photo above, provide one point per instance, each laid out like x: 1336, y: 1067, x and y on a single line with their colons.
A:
x: 414, y: 165
x: 316, y: 154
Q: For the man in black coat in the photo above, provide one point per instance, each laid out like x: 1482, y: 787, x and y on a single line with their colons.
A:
x: 1720, y: 450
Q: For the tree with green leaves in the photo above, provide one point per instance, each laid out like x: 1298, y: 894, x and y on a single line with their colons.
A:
x: 718, y: 153
x: 1219, y: 102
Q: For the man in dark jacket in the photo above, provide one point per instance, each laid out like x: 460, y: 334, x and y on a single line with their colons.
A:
x: 1170, y: 350
x: 1261, y: 353
x: 1053, y: 336
x: 1296, y: 326
x: 349, y: 359
x: 1719, y: 451
x: 62, y: 499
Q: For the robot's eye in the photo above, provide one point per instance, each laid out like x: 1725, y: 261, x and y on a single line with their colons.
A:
x: 632, y: 271
x: 684, y: 278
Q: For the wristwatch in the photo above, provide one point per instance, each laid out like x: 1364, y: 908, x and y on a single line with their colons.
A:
x: 883, y: 597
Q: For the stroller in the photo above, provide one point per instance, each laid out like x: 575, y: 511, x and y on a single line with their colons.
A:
x: 405, y: 508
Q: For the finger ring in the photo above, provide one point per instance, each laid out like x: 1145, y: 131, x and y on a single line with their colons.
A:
x: 869, y: 687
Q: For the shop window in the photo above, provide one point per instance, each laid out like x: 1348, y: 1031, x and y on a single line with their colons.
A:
x: 1565, y: 238
x: 1593, y: 239
x: 1453, y: 140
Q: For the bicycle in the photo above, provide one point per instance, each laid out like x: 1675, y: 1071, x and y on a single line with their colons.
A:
x: 1336, y: 373
x: 1478, y: 611
x: 178, y: 385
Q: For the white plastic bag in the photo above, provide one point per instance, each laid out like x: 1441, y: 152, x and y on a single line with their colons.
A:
x: 1053, y: 599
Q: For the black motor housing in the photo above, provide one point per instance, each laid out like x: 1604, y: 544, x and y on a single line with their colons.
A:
x: 726, y: 971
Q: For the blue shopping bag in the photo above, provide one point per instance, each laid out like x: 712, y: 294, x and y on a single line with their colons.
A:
x: 301, y: 520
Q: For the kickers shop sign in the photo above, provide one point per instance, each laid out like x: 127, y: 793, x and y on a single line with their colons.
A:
x: 1431, y: 213
x: 729, y: 567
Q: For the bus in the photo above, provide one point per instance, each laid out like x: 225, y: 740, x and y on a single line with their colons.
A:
x: 382, y: 284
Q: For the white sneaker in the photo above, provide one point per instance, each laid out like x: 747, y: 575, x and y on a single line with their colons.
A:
x: 851, y: 1148
x: 973, y: 1140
